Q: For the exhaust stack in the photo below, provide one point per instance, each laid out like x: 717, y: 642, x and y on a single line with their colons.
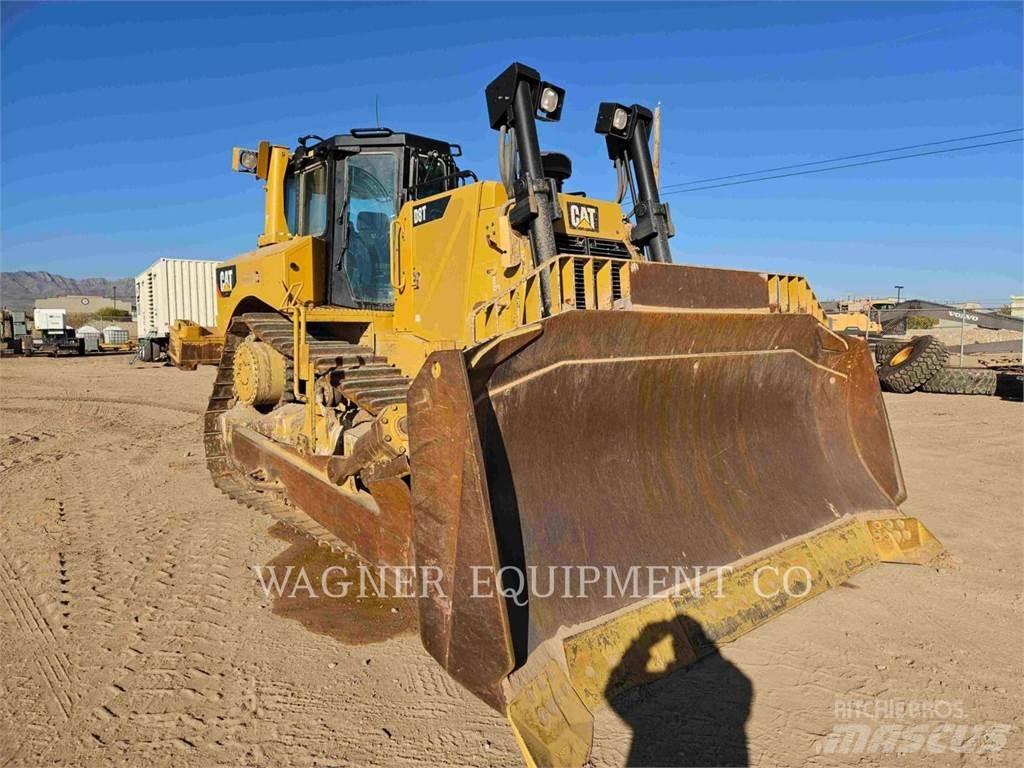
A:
x: 627, y: 132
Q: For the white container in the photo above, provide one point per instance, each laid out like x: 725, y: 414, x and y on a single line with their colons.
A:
x: 175, y: 289
x: 49, y: 319
x: 114, y: 335
x: 88, y: 331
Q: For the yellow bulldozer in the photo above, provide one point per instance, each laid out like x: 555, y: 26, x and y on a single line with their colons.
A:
x: 503, y: 382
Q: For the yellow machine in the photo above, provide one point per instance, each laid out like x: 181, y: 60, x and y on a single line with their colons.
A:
x: 489, y: 381
x: 191, y: 345
x: 853, y: 322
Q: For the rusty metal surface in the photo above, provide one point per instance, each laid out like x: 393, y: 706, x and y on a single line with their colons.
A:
x: 378, y: 535
x: 453, y: 530
x: 675, y: 285
x: 621, y: 439
x: 869, y: 423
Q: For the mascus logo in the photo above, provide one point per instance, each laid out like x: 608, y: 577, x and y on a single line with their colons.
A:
x: 583, y: 217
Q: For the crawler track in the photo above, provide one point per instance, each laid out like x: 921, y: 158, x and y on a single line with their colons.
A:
x: 365, y: 378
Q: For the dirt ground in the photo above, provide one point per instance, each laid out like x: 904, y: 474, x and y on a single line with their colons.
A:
x: 134, y: 631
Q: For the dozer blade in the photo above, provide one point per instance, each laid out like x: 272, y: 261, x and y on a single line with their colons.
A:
x: 639, y: 444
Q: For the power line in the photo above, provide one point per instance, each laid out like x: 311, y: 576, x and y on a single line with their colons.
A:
x: 843, y: 157
x: 840, y: 167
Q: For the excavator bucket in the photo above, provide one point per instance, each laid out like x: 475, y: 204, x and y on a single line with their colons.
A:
x: 572, y: 476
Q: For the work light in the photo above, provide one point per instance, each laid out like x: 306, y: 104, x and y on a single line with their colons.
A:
x: 615, y: 120
x: 549, y: 105
x: 244, y: 160
x: 619, y: 119
x: 544, y: 100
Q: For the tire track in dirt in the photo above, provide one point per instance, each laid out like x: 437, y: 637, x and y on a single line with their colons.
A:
x: 147, y: 405
x: 46, y: 699
x: 177, y: 655
x: 55, y: 670
x: 93, y: 581
x: 183, y: 665
x: 33, y: 444
x: 175, y: 662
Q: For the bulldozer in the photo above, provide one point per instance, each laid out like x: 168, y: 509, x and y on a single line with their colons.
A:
x: 490, y: 380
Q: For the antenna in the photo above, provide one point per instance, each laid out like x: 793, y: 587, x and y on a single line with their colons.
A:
x: 376, y: 108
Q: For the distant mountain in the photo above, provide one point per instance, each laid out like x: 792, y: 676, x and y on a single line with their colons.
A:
x: 19, y: 290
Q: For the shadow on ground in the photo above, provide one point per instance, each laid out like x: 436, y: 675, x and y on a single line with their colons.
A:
x: 321, y: 590
x: 695, y: 716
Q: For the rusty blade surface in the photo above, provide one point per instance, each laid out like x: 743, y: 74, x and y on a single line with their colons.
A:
x: 621, y: 439
x: 453, y: 532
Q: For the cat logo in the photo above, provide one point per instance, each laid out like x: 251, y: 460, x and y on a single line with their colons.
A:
x: 583, y: 217
x: 225, y: 280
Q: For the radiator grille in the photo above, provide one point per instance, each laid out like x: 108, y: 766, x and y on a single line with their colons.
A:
x: 616, y: 284
x: 590, y: 246
x: 579, y: 286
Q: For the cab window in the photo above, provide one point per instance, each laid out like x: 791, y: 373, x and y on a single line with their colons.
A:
x: 372, y: 204
x: 313, y: 219
x: 291, y: 202
x: 305, y: 201
x: 431, y: 175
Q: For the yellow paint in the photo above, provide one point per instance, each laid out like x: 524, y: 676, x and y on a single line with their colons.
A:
x: 275, y: 277
x: 845, y: 320
x: 901, y: 357
x: 191, y: 344
x: 793, y: 294
x: 259, y: 374
x: 550, y: 723
x: 458, y: 280
x: 275, y: 225
x: 903, y: 540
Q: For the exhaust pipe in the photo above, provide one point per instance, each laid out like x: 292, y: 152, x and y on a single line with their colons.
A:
x: 516, y: 99
x: 627, y: 132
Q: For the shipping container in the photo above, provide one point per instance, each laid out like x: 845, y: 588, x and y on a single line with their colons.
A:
x: 175, y: 289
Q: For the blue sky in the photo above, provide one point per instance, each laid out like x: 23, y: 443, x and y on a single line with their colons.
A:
x: 118, y: 121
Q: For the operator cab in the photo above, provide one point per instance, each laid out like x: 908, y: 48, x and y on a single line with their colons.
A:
x: 346, y: 191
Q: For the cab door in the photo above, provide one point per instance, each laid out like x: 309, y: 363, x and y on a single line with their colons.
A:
x: 366, y: 191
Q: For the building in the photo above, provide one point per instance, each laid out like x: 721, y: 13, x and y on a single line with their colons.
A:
x: 78, y: 304
x: 1017, y: 306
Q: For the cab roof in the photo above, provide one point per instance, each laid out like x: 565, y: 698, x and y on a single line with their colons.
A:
x: 380, y: 137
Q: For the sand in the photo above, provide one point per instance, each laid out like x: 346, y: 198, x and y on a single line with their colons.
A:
x: 134, y: 631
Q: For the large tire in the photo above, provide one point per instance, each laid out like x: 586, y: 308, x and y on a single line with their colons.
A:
x: 913, y: 364
x: 1010, y: 386
x: 884, y: 350
x: 962, y: 381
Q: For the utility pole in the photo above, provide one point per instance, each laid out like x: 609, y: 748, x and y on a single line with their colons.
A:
x: 115, y: 299
x: 963, y: 321
x: 656, y: 133
x: 899, y: 292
